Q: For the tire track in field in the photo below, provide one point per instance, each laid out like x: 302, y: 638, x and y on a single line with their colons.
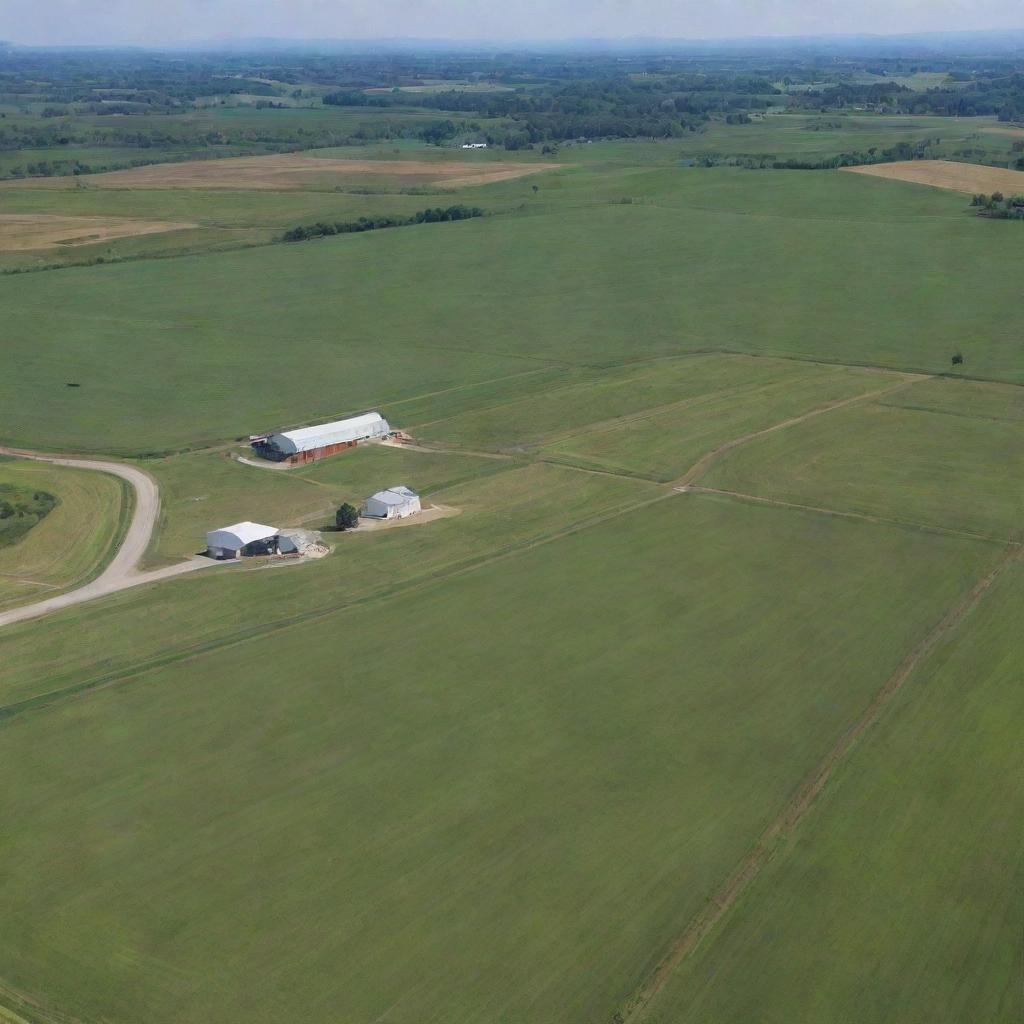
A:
x: 705, y: 462
x: 750, y: 867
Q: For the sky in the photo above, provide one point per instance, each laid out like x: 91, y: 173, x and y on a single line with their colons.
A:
x: 158, y: 22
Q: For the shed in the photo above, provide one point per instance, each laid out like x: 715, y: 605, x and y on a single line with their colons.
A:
x: 326, y: 435
x: 241, y: 539
x: 394, y: 503
x: 297, y: 541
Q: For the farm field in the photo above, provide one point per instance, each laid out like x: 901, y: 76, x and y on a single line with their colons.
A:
x: 74, y: 539
x: 696, y: 703
x: 944, y: 454
x: 960, y: 177
x: 293, y: 170
x: 513, y: 804
x: 912, y: 857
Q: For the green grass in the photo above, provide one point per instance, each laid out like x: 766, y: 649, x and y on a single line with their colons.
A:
x: 495, y: 797
x: 663, y: 443
x: 939, y: 455
x: 365, y: 320
x: 900, y: 895
x: 71, y: 542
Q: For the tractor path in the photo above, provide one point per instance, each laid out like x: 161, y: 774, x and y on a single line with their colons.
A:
x: 123, y: 569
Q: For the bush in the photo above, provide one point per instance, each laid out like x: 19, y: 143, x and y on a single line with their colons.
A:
x: 346, y: 517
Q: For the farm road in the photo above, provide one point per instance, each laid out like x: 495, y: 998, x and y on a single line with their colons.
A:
x: 122, y: 571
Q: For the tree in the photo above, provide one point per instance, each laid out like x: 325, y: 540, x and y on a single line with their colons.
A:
x: 346, y: 517
x: 957, y: 359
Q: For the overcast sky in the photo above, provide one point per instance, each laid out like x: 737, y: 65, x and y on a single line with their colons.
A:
x: 154, y: 22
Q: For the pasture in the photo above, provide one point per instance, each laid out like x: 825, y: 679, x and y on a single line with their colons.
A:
x: 912, y: 857
x: 21, y: 231
x: 74, y: 539
x: 492, y: 768
x: 549, y: 806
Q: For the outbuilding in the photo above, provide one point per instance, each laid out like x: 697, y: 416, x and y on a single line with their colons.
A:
x: 394, y: 503
x: 242, y: 539
x: 307, y: 444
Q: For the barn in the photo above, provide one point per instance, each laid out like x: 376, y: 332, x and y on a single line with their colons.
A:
x: 393, y: 503
x: 307, y: 444
x: 242, y: 539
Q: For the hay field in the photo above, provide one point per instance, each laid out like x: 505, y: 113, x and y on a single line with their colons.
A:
x: 948, y: 174
x: 27, y: 231
x: 285, y: 171
x: 72, y: 542
x: 530, y: 805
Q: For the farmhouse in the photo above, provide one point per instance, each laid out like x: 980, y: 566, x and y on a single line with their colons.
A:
x: 242, y: 539
x: 394, y: 503
x: 308, y: 444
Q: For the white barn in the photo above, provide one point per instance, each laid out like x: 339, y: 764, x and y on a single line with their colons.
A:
x: 326, y: 435
x: 241, y: 539
x: 393, y: 503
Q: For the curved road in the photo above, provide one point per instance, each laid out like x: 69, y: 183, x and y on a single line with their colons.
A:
x: 122, y: 571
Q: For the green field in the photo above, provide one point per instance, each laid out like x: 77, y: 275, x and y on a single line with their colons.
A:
x: 71, y: 542
x: 491, y: 768
x: 442, y: 834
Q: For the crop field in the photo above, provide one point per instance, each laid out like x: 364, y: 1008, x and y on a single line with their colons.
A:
x: 699, y: 704
x: 19, y: 231
x: 296, y: 170
x: 959, y: 177
x: 71, y: 542
x: 511, y: 799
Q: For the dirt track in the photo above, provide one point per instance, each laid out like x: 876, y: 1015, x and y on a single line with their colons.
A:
x: 122, y: 571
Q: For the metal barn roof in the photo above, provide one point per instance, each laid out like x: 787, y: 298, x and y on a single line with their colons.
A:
x: 355, y: 428
x: 238, y: 535
x: 394, y: 495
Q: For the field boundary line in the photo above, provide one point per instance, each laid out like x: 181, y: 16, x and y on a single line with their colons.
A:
x: 868, y: 517
x: 793, y: 811
x: 706, y: 461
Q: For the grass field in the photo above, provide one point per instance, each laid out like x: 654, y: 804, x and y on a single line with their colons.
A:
x: 484, y: 800
x: 492, y: 769
x: 72, y: 542
x: 935, y: 453
x: 900, y: 896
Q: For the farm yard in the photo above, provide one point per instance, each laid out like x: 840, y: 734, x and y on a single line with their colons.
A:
x: 694, y: 702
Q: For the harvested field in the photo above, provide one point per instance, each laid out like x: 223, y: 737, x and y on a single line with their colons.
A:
x: 948, y: 174
x: 300, y: 170
x: 20, y: 232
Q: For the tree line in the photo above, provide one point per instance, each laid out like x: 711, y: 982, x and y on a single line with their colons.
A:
x: 430, y: 216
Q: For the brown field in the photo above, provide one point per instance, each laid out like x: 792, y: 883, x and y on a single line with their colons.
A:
x: 296, y: 171
x: 948, y: 174
x: 20, y: 232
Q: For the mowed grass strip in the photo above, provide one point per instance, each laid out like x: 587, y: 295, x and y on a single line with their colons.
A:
x: 901, y: 894
x: 496, y: 798
x: 663, y: 444
x: 945, y: 458
x: 74, y: 540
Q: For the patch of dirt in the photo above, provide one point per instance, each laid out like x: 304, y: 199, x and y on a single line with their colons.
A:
x: 427, y: 515
x: 286, y: 171
x: 948, y: 174
x: 20, y: 232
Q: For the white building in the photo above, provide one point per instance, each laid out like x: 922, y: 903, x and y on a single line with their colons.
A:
x: 327, y: 435
x: 241, y: 539
x: 474, y: 145
x: 394, y: 503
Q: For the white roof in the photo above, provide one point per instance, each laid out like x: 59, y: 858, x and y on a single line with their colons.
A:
x: 369, y: 424
x: 237, y: 536
x: 394, y: 495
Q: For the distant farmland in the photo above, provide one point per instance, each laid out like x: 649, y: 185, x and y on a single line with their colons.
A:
x: 948, y: 174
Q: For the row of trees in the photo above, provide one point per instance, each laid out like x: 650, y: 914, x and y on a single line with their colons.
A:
x: 999, y: 207
x: 432, y: 216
